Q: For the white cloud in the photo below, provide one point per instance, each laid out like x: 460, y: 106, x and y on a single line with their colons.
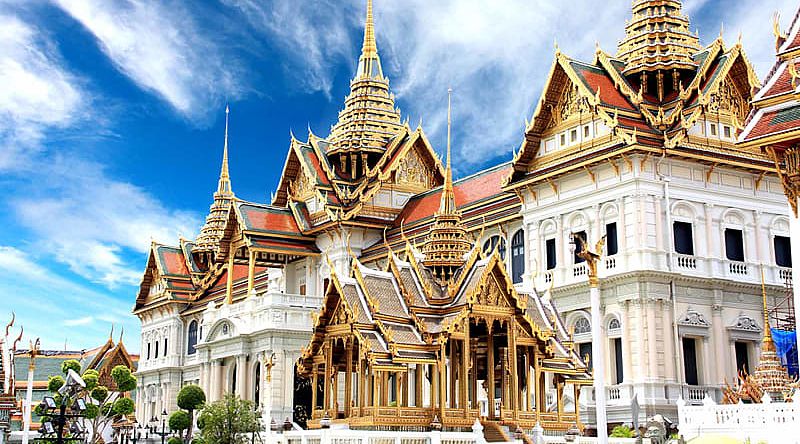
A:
x: 86, y: 320
x: 495, y: 56
x: 36, y: 93
x: 94, y: 223
x: 314, y: 41
x: 57, y: 309
x: 161, y: 48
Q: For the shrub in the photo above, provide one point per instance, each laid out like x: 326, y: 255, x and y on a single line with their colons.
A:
x: 174, y: 440
x: 100, y: 393
x: 123, y: 406
x: 70, y: 364
x: 622, y: 431
x: 191, y: 397
x: 55, y: 383
x: 179, y: 421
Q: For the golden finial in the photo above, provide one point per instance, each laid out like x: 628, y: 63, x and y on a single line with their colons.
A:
x: 121, y: 334
x: 111, y: 333
x: 11, y: 324
x: 19, y: 338
x: 555, y: 45
x: 370, y: 48
x: 767, y: 343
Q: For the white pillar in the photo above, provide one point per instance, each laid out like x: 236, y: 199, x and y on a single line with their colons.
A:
x: 598, y: 356
x: 26, y: 409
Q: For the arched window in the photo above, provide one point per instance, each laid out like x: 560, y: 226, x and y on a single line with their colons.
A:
x: 582, y: 325
x: 517, y: 256
x: 257, y: 384
x: 191, y: 347
x: 613, y: 324
x: 491, y: 243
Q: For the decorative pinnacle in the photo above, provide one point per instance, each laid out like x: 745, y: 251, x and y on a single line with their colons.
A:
x: 448, y: 197
x: 370, y: 48
x: 767, y: 340
x: 224, y: 176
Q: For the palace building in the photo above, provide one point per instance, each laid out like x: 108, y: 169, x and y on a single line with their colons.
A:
x: 392, y: 295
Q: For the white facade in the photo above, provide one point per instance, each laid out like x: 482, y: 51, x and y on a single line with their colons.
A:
x: 656, y: 302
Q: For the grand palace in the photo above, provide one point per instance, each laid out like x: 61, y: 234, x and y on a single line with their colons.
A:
x: 378, y: 292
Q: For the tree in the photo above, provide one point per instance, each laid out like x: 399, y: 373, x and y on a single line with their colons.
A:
x: 228, y: 421
x: 180, y: 421
x: 103, y: 406
x: 191, y: 398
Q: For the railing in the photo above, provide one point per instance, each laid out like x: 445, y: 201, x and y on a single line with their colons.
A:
x: 696, y: 394
x: 687, y: 262
x: 785, y: 274
x: 614, y: 393
x: 333, y: 436
x: 579, y: 270
x: 611, y: 263
x: 737, y: 268
x: 766, y: 422
x: 548, y: 277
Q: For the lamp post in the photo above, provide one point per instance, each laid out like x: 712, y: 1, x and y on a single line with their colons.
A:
x: 598, y: 352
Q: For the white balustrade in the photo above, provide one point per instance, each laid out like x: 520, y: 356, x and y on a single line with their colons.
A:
x: 686, y: 262
x: 767, y: 422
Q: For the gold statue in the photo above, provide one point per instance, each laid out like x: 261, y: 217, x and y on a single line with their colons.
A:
x: 591, y: 257
x: 269, y: 363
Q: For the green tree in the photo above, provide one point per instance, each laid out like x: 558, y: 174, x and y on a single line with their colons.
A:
x: 228, y: 421
x: 621, y: 431
x: 103, y: 406
x: 180, y: 421
x: 190, y: 398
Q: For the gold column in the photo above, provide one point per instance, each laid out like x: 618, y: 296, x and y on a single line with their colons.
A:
x: 327, y: 387
x: 435, y: 385
x: 537, y: 378
x: 229, y: 286
x: 314, y: 385
x: 442, y: 381
x: 464, y: 399
x: 362, y: 382
x: 560, y: 396
x: 451, y: 369
x: 529, y: 374
x: 512, y: 336
x: 375, y: 374
x: 348, y: 379
x: 490, y: 371
x: 576, y: 391
x: 251, y: 272
x: 418, y: 402
x: 335, y: 391
x: 398, y: 385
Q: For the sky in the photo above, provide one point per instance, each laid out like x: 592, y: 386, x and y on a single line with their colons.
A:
x: 112, y: 115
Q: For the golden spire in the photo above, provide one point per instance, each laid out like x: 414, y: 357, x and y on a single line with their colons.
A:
x: 766, y: 342
x: 658, y: 38
x: 208, y: 239
x: 224, y: 178
x: 447, y: 242
x: 448, y: 204
x: 369, y: 118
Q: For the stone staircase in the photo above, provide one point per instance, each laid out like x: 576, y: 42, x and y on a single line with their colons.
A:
x: 493, y: 432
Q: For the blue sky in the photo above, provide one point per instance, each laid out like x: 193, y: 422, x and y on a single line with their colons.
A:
x: 112, y: 115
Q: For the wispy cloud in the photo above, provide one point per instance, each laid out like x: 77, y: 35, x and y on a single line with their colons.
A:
x: 55, y: 308
x: 161, y: 48
x: 313, y: 40
x: 37, y: 93
x: 93, y: 223
x: 496, y: 58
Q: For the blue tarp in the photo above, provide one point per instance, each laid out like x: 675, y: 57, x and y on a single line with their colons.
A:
x: 786, y: 345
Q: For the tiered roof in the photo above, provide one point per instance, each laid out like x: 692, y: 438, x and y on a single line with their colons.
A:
x: 680, y: 86
x: 369, y: 118
x: 658, y: 37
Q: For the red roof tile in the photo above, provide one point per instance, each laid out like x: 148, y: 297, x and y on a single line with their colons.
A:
x: 173, y: 261
x: 609, y: 94
x: 775, y: 122
x: 782, y: 85
x: 472, y: 189
x: 268, y: 219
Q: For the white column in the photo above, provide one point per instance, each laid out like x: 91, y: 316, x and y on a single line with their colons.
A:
x: 668, y: 340
x: 598, y: 356
x: 241, y: 376
x: 627, y: 364
x: 26, y: 409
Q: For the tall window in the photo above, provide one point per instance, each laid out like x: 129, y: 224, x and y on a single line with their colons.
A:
x: 579, y: 245
x: 492, y: 242
x: 517, y: 256
x: 612, y: 247
x: 618, y: 366
x: 165, y: 347
x: 191, y: 347
x: 683, y: 238
x: 584, y: 350
x: 734, y: 245
x: 148, y: 350
x: 257, y: 384
x: 690, y: 361
x: 742, y: 357
x: 157, y: 349
x: 783, y: 251
x: 550, y: 251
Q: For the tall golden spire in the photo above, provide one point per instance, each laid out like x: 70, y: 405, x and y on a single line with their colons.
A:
x: 766, y: 342
x: 208, y: 239
x: 770, y: 375
x: 369, y: 118
x: 447, y: 243
x: 224, y: 178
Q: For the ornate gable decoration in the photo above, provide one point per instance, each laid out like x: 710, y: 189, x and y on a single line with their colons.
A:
x: 727, y: 99
x: 569, y: 104
x: 301, y: 188
x: 693, y: 318
x: 745, y: 323
x: 412, y: 171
